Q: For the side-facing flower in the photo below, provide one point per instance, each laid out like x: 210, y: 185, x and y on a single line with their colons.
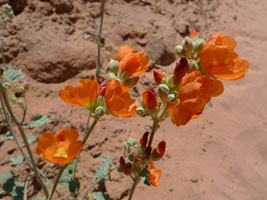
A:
x: 118, y: 100
x: 84, y: 94
x: 160, y: 150
x: 154, y: 175
x: 180, y: 69
x: 220, y: 60
x: 61, y: 148
x: 195, y: 92
x: 132, y: 62
x: 150, y: 98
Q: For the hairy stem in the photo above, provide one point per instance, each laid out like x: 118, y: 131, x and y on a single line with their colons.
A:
x: 21, y: 130
x: 24, y: 109
x: 135, y: 183
x: 98, y: 67
x: 2, y: 45
x: 61, y: 170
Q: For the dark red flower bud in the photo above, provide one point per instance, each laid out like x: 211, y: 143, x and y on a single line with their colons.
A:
x: 102, y: 88
x: 193, y: 33
x: 137, y: 159
x: 158, y: 76
x: 122, y: 161
x: 180, y: 69
x: 150, y: 98
x: 160, y: 150
x: 148, y: 152
x: 127, y: 167
x: 144, y: 139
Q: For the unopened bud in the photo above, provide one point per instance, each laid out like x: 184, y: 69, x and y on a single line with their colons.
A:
x: 158, y: 76
x: 12, y: 98
x: 187, y: 44
x: 122, y: 161
x: 164, y: 90
x: 20, y: 89
x: 193, y: 33
x: 141, y: 111
x: 137, y: 159
x: 180, y: 69
x: 102, y: 88
x: 150, y: 98
x: 171, y: 98
x: 192, y: 66
x: 127, y: 168
x: 99, y: 111
x: 26, y: 85
x: 198, y: 45
x: 159, y: 151
x: 113, y: 66
x: 111, y: 76
x: 144, y: 139
x: 179, y: 50
x: 148, y: 152
x: 6, y: 85
x: 21, y: 103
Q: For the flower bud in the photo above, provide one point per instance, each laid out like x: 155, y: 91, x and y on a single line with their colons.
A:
x: 192, y: 66
x: 113, y: 66
x: 198, y: 45
x: 7, y: 85
x: 179, y: 50
x: 26, y: 85
x: 21, y: 103
x: 127, y: 168
x: 193, y: 33
x: 102, y: 88
x: 187, y: 44
x: 141, y: 111
x: 160, y: 150
x: 111, y: 76
x: 171, y: 98
x: 122, y: 161
x: 131, y: 82
x: 150, y: 98
x: 164, y: 90
x: 20, y: 89
x: 137, y: 159
x: 12, y: 98
x: 158, y: 76
x: 180, y: 69
x: 144, y: 139
x: 99, y: 111
x: 148, y: 152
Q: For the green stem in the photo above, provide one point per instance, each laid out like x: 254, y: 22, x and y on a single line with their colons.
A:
x: 90, y: 130
x: 98, y: 67
x: 61, y: 170
x: 24, y: 109
x: 155, y: 124
x: 36, y: 172
x: 2, y: 45
x: 84, y: 133
x: 135, y: 183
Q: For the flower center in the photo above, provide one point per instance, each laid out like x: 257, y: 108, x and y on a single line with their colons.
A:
x: 61, y: 152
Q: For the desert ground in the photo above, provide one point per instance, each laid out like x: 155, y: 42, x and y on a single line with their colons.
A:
x: 222, y: 155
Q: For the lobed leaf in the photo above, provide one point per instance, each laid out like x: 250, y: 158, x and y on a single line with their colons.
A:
x: 7, y: 136
x: 16, y: 160
x: 12, y: 75
x: 103, y: 171
x: 38, y: 120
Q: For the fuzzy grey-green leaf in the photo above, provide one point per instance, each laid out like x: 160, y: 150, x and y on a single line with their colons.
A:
x: 12, y: 75
x: 16, y: 160
x: 38, y: 120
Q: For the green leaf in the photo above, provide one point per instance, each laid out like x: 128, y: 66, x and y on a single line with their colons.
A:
x: 12, y: 75
x: 16, y: 160
x: 14, y: 188
x: 7, y: 136
x: 5, y: 176
x: 31, y: 139
x: 37, y: 120
x: 100, y: 196
x: 51, y: 164
x: 74, y: 186
x: 103, y: 171
x: 66, y: 176
x: 144, y: 176
x: 90, y: 37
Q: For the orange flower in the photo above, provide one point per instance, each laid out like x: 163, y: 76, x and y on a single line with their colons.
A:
x: 82, y: 95
x: 118, y: 100
x: 154, y: 175
x: 160, y: 150
x: 150, y: 98
x: 194, y: 93
x: 219, y: 59
x: 131, y: 61
x: 61, y: 148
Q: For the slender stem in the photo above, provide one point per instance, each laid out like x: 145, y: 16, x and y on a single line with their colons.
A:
x: 90, y: 130
x: 61, y: 170
x: 24, y: 109
x: 155, y: 124
x: 84, y: 134
x: 2, y: 45
x: 35, y: 169
x: 135, y: 183
x: 98, y: 67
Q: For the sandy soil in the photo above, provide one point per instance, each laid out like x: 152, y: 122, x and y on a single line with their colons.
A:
x: 222, y: 155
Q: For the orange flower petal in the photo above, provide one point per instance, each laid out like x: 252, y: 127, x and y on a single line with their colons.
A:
x: 154, y: 175
x: 130, y: 63
x: 181, y: 115
x: 123, y: 51
x: 118, y: 100
x: 144, y: 60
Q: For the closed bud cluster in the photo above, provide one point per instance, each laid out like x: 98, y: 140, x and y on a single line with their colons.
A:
x: 6, y: 85
x: 113, y: 66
